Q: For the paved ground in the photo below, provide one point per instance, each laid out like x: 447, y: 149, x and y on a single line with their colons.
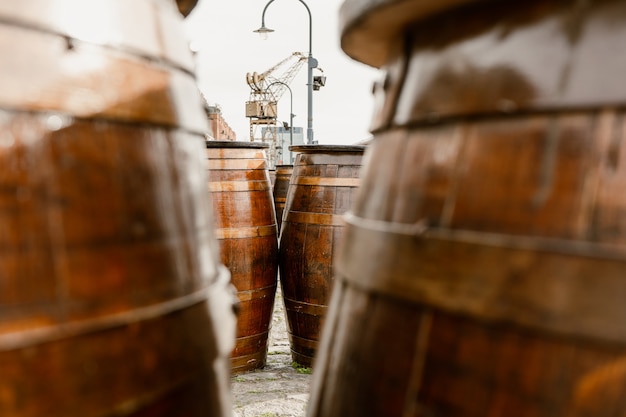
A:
x: 278, y: 390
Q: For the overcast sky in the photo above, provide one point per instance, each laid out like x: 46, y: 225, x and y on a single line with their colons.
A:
x: 228, y: 49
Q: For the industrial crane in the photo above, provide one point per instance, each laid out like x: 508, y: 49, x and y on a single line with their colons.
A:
x: 265, y: 91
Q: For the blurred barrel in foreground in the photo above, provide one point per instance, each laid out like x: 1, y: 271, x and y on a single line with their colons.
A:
x: 322, y: 187
x: 281, y: 186
x: 246, y: 229
x: 482, y: 269
x: 112, y: 298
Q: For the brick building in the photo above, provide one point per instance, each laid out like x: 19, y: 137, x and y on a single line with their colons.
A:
x: 219, y: 129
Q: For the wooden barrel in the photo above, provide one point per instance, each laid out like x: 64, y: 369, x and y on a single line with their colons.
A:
x: 281, y: 186
x: 482, y: 269
x: 113, y: 301
x: 246, y: 230
x: 322, y: 187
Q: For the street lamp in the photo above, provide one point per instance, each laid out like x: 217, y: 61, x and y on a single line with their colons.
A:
x: 290, y: 112
x: 312, y: 63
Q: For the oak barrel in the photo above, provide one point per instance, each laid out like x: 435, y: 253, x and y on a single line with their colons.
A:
x: 281, y: 186
x: 113, y: 301
x: 322, y: 187
x: 482, y: 267
x: 246, y: 230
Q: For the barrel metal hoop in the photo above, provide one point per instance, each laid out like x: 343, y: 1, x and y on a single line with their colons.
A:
x: 245, y: 232
x: 302, y: 307
x: 554, y: 285
x: 321, y: 219
x: 297, y: 341
x: 26, y: 338
x: 325, y: 182
x: 236, y: 164
x: 235, y: 186
x: 256, y: 293
x: 262, y: 337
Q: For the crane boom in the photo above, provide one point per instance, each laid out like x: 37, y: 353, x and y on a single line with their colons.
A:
x: 266, y: 89
x: 259, y: 82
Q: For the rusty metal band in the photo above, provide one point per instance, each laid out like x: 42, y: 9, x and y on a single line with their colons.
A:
x: 257, y: 336
x: 235, y: 186
x: 326, y: 182
x: 257, y: 293
x: 26, y: 338
x: 235, y: 164
x: 324, y: 219
x: 302, y: 307
x: 297, y: 341
x: 280, y: 199
x: 245, y: 232
x: 560, y: 286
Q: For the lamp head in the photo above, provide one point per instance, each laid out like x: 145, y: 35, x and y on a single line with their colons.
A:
x: 318, y: 82
x: 263, y: 31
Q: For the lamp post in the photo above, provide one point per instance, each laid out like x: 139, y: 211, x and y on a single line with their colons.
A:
x: 290, y: 112
x: 312, y: 63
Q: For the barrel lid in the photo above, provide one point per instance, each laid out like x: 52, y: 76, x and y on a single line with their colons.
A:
x: 235, y: 144
x: 327, y: 148
x: 370, y: 27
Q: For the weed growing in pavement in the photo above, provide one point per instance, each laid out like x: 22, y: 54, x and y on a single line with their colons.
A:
x: 300, y: 369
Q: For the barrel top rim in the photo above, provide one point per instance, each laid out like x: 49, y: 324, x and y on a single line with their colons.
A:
x: 284, y: 166
x: 370, y: 28
x: 327, y: 148
x: 236, y: 144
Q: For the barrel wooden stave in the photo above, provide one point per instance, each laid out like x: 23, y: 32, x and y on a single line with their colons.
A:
x: 246, y: 229
x: 322, y: 187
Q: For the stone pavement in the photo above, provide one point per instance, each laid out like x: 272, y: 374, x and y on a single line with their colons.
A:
x: 278, y: 390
